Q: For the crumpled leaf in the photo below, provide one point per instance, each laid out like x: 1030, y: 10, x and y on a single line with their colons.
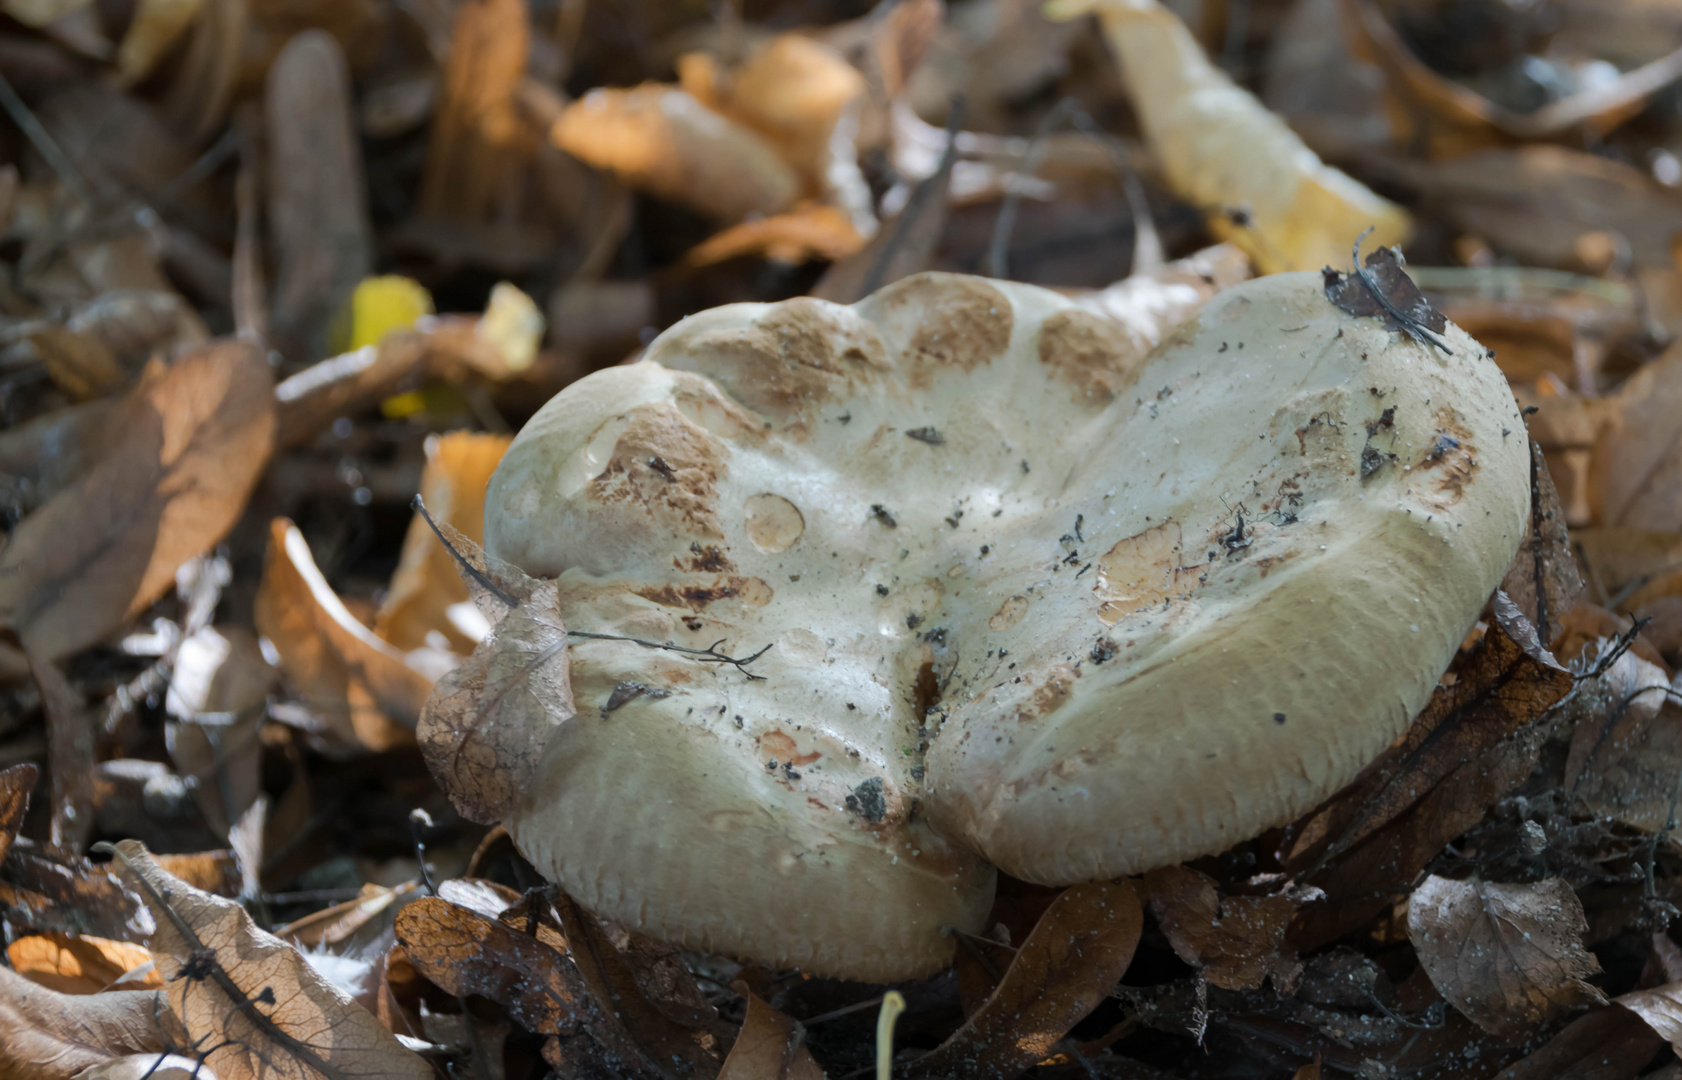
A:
x: 769, y: 1046
x: 661, y: 140
x: 194, y: 440
x: 1070, y: 962
x: 47, y: 1035
x: 77, y: 964
x: 1626, y: 749
x: 1507, y: 956
x: 483, y: 730
x: 363, y: 689
x: 252, y: 996
x: 427, y: 596
x: 1238, y: 942
x: 1382, y: 289
x: 1223, y: 151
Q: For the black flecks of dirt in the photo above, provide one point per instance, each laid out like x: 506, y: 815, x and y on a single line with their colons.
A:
x: 1103, y: 650
x: 927, y: 435
x: 880, y: 513
x: 1278, y: 718
x: 659, y: 465
x: 626, y: 692
x: 868, y: 801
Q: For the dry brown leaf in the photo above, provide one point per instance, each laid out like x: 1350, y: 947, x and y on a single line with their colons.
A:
x: 157, y: 25
x: 1507, y: 682
x: 425, y: 588
x: 335, y: 924
x: 464, y: 952
x: 1638, y: 458
x: 254, y: 997
x: 149, y: 1067
x: 812, y: 231
x: 82, y: 367
x: 1238, y: 942
x: 16, y: 783
x: 1661, y: 1008
x: 661, y: 140
x: 70, y: 757
x: 1070, y: 962
x: 79, y: 965
x: 44, y: 455
x: 194, y: 440
x: 483, y: 730
x: 1544, y: 581
x: 46, y: 1035
x: 70, y: 897
x: 203, y: 85
x: 1599, y: 1045
x: 769, y: 1046
x: 1626, y: 750
x: 319, y: 231
x: 363, y: 690
x: 478, y: 136
x: 642, y: 1020
x: 135, y: 324
x: 1224, y: 152
x: 1507, y: 956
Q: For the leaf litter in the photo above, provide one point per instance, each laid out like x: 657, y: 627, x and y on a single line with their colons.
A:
x: 274, y: 270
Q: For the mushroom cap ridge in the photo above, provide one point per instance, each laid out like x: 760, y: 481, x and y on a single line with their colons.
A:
x: 1159, y: 604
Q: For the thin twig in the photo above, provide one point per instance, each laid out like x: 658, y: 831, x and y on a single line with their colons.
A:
x: 918, y: 203
x: 998, y: 250
x: 43, y: 140
x: 479, y: 577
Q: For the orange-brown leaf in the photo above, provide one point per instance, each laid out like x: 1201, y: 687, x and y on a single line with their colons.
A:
x: 1236, y: 941
x: 768, y: 1047
x: 47, y: 1035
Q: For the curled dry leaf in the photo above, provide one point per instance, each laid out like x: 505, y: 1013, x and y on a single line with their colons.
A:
x: 16, y: 782
x: 769, y: 1046
x: 1507, y: 956
x: 1070, y: 962
x: 427, y: 597
x: 252, y: 996
x: 363, y: 690
x: 1638, y: 457
x: 77, y: 964
x: 661, y: 140
x: 1220, y: 148
x: 484, y: 728
x: 1236, y: 941
x: 194, y: 439
x: 47, y: 1035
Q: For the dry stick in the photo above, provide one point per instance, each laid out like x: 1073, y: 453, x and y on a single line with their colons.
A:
x: 919, y: 200
x: 998, y: 249
x: 250, y: 303
x: 708, y: 655
x: 203, y: 959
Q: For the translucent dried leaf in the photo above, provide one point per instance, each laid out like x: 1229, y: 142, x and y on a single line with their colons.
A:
x: 1222, y: 150
x: 426, y: 588
x: 1070, y: 962
x: 194, y: 439
x: 661, y: 140
x: 47, y: 1035
x: 485, y: 726
x: 252, y: 996
x: 769, y: 1046
x: 1507, y: 956
x: 363, y: 689
x: 1238, y: 942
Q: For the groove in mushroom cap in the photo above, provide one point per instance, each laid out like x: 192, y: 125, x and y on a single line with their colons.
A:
x: 1151, y: 606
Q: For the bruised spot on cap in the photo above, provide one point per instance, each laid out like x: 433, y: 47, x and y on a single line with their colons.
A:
x: 1093, y: 354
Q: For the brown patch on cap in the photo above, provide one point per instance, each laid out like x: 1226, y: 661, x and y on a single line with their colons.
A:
x: 1050, y: 695
x: 667, y: 465
x: 1139, y: 572
x: 1452, y: 458
x: 748, y: 591
x: 964, y: 322
x: 1093, y: 354
x: 1010, y: 613
x: 799, y: 356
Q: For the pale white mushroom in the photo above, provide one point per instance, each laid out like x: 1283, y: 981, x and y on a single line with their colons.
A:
x: 1035, y: 600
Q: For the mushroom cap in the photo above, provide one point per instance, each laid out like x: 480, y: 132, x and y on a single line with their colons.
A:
x: 1037, y: 600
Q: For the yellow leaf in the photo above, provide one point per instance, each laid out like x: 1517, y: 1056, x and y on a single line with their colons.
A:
x: 1221, y: 149
x: 377, y: 307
